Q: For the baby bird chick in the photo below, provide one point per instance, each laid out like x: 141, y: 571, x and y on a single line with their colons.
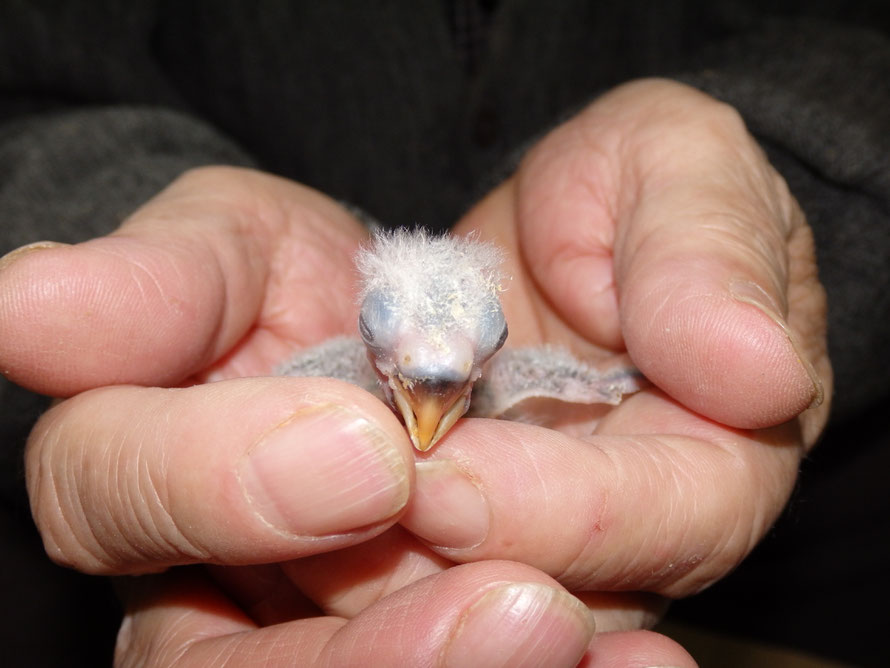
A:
x: 430, y: 319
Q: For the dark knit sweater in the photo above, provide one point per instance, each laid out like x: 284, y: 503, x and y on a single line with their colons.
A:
x: 411, y: 112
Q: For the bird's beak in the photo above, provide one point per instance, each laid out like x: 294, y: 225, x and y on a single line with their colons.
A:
x: 429, y: 409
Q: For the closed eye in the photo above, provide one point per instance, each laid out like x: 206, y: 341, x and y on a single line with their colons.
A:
x: 365, y: 331
x: 501, y: 339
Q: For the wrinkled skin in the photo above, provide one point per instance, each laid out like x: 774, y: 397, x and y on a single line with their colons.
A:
x: 651, y: 222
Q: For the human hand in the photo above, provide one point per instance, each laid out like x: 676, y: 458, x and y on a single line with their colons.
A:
x: 220, y: 277
x: 651, y: 222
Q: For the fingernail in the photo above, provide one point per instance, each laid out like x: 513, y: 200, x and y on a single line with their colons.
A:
x: 448, y: 509
x: 325, y: 471
x: 20, y: 252
x: 750, y: 293
x: 525, y: 624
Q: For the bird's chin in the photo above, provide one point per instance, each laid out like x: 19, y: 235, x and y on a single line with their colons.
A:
x: 429, y: 409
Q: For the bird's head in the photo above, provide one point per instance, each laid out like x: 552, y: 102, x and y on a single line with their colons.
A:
x: 430, y: 318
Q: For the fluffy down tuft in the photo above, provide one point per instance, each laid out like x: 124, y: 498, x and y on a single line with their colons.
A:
x: 440, y: 282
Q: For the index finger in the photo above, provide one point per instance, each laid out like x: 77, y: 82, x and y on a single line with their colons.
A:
x: 181, y: 282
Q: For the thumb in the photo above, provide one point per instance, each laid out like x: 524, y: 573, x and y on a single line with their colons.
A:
x: 677, y: 239
x: 216, y: 256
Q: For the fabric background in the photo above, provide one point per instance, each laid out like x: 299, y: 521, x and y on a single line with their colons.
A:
x: 412, y: 111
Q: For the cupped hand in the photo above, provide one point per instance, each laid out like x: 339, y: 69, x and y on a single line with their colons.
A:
x: 149, y: 465
x: 650, y: 223
x: 228, y: 271
x: 221, y: 275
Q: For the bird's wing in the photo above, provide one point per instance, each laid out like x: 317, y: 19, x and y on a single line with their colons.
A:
x: 549, y: 372
x: 343, y: 358
x: 512, y: 376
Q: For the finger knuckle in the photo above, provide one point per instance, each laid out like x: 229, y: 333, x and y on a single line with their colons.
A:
x: 56, y: 504
x: 98, y: 509
x: 169, y: 644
